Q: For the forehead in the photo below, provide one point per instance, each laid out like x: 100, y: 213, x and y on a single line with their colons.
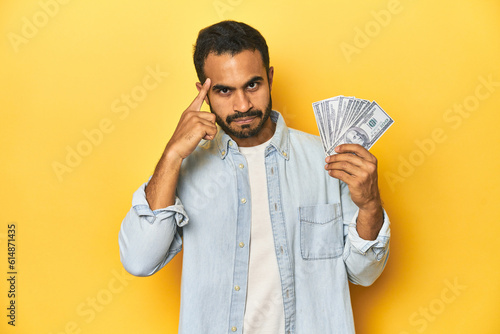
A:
x: 233, y: 69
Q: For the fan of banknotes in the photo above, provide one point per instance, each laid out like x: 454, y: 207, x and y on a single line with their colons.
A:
x: 343, y: 119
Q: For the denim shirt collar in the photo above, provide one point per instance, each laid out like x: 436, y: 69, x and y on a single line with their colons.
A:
x: 279, y: 142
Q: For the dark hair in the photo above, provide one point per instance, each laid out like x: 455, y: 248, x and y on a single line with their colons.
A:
x: 227, y: 37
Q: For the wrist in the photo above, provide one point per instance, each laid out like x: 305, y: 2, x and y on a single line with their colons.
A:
x: 373, y: 207
x: 171, y: 156
x: 370, y: 220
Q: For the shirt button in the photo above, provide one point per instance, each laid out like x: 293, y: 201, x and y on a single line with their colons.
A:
x: 284, y: 153
x: 243, y: 200
x: 234, y: 329
x: 242, y: 166
x: 223, y: 152
x: 230, y: 143
x: 237, y: 288
x: 242, y: 244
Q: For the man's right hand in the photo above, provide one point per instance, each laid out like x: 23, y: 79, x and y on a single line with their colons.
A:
x: 193, y: 126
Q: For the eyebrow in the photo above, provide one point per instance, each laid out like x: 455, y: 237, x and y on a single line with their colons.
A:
x: 254, y: 79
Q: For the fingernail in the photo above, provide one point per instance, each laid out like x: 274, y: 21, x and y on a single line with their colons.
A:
x: 337, y: 148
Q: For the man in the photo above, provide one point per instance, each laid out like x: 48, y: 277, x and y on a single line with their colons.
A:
x: 271, y: 234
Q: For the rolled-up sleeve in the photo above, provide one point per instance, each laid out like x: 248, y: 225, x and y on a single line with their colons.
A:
x: 149, y: 239
x: 366, y: 259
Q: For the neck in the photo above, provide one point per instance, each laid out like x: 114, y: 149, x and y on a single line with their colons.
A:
x: 264, y: 135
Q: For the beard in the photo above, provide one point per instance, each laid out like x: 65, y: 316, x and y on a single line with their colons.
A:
x: 246, y: 130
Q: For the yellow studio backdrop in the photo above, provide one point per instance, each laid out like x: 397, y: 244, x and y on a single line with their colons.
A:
x: 90, y: 93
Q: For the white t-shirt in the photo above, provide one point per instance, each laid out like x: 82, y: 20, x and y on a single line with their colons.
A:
x: 264, y: 312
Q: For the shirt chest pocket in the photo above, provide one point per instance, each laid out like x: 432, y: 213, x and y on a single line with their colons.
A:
x: 321, y: 231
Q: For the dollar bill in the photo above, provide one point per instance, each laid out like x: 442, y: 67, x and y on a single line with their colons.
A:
x: 342, y: 120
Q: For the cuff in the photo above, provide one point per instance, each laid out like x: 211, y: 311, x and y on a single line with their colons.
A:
x: 141, y: 207
x: 379, y: 245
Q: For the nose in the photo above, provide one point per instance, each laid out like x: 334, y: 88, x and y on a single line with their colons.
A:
x: 242, y: 102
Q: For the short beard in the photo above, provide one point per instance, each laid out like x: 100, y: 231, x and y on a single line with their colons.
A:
x: 244, y: 133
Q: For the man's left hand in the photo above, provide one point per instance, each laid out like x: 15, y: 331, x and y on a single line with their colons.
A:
x: 357, y: 167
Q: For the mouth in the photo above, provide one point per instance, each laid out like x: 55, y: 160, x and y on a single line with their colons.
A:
x: 244, y: 120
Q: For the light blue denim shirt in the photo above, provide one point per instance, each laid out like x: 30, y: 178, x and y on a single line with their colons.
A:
x: 313, y: 221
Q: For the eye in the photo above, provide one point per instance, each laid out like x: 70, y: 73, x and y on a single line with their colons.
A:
x: 252, y: 85
x: 224, y: 91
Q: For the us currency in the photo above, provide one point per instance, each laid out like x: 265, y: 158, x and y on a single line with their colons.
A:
x: 321, y: 125
x: 344, y: 120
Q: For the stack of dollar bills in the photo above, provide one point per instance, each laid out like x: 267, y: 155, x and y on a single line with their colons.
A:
x: 344, y: 120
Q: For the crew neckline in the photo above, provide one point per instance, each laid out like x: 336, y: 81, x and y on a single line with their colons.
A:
x: 257, y: 148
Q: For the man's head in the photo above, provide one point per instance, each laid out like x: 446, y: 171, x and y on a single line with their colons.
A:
x: 227, y: 37
x: 235, y: 58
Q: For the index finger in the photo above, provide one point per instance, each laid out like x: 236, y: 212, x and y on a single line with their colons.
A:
x: 198, y: 101
x: 357, y: 149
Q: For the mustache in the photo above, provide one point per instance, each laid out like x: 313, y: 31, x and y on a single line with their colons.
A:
x: 239, y: 114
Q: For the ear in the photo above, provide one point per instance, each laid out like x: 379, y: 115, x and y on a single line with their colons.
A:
x: 270, y: 75
x: 198, y: 86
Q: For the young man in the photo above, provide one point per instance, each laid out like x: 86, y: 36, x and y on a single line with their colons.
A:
x: 271, y: 234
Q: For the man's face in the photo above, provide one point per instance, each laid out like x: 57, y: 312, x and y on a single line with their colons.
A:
x: 240, y: 93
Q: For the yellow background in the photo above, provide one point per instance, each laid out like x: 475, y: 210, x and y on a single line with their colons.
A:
x: 417, y: 63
